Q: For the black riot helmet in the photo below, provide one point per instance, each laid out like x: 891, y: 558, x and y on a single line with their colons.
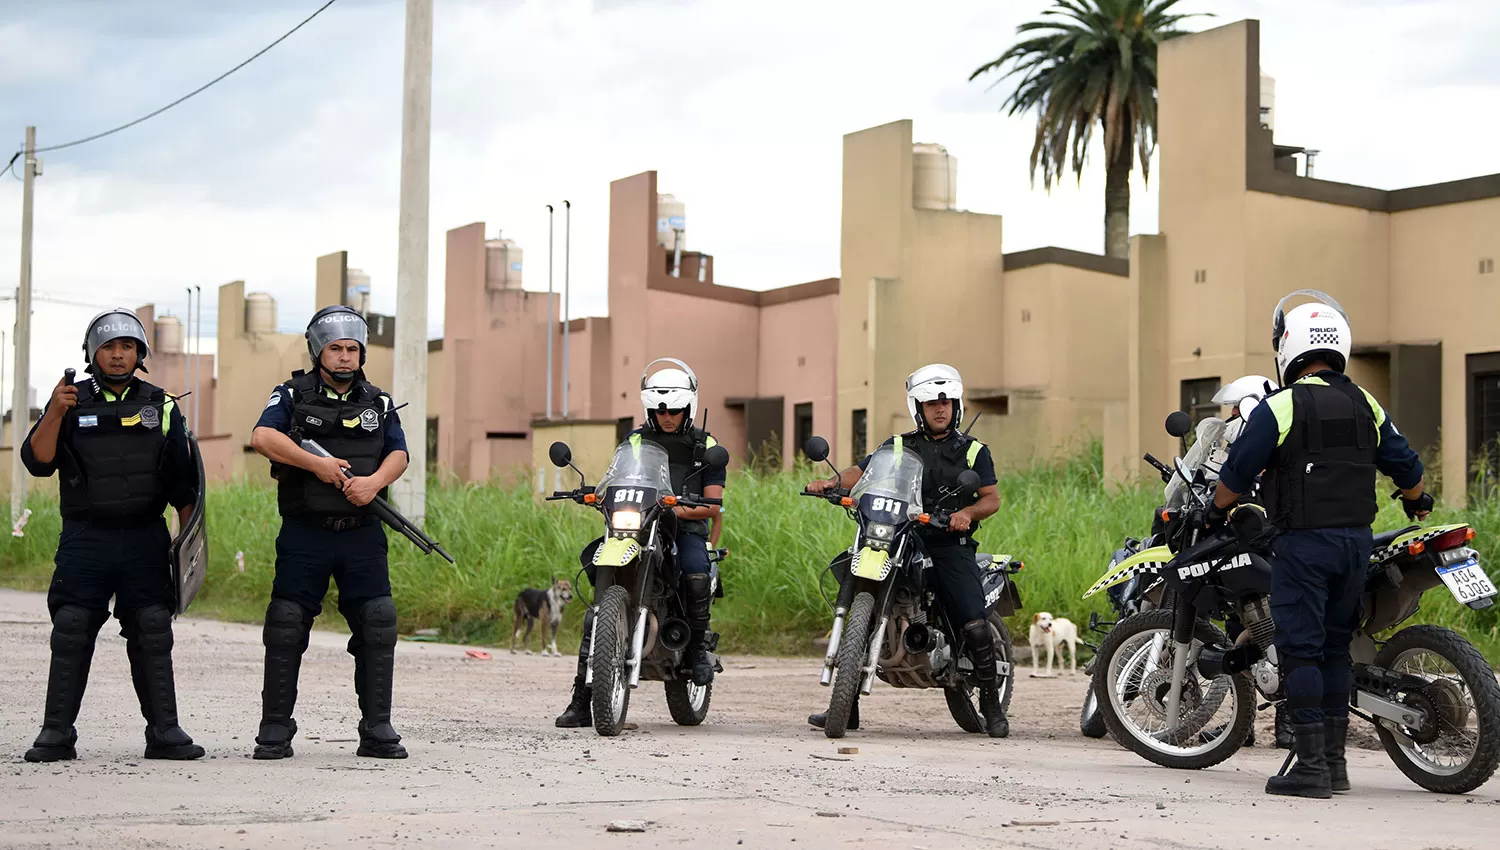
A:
x: 119, y: 323
x: 335, y: 323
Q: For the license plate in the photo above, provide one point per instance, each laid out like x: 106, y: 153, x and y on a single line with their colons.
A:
x: 1467, y: 581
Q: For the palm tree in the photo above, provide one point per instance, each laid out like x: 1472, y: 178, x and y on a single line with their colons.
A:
x: 1091, y: 62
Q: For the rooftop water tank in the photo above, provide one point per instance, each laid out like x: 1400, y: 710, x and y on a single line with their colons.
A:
x: 168, y: 335
x: 260, y: 313
x: 502, y: 265
x: 934, y: 177
x: 671, y: 219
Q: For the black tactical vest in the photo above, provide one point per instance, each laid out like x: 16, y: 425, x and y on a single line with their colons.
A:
x: 685, y: 451
x: 1323, y: 474
x: 942, y: 461
x: 351, y: 428
x: 118, y: 447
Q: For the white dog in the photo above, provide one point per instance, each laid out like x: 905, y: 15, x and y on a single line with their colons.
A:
x: 1051, y: 633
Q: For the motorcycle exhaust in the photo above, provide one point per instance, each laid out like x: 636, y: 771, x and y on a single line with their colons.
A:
x: 674, y: 635
x: 1214, y: 662
x: 919, y: 638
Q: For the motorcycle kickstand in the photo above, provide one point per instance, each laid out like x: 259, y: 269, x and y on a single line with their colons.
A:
x: 1286, y: 765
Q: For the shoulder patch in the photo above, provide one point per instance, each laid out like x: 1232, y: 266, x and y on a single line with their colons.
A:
x: 275, y: 398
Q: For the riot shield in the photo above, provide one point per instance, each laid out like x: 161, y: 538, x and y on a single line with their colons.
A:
x: 190, y: 549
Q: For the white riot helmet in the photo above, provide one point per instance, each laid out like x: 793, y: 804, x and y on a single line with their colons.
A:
x: 1309, y: 332
x: 669, y: 389
x: 1242, y: 394
x: 119, y: 323
x: 933, y: 383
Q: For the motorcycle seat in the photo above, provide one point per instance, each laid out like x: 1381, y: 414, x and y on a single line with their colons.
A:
x: 1385, y: 538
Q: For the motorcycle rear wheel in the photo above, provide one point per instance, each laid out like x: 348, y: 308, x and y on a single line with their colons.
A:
x: 1466, y: 692
x: 687, y: 702
x: 963, y: 701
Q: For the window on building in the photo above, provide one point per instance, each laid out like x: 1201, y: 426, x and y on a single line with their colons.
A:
x: 432, y: 441
x: 802, y: 426
x: 1485, y: 428
x: 1198, y: 398
x: 623, y: 426
x: 859, y: 435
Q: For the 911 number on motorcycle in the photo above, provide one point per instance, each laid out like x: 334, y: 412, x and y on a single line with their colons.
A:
x: 880, y: 503
x: 629, y: 495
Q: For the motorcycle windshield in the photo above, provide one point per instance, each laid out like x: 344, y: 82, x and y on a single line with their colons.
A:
x: 638, y: 463
x: 1210, y: 433
x: 894, y: 474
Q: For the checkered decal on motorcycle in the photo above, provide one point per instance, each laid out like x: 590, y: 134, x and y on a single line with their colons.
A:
x: 631, y: 550
x: 1394, y: 549
x: 1140, y: 569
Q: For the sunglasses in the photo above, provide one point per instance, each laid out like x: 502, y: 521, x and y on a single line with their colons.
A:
x: 674, y: 411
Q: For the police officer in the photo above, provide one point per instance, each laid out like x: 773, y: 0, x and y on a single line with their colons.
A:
x: 934, y: 397
x: 1320, y: 440
x: 670, y: 399
x: 122, y: 449
x: 325, y: 532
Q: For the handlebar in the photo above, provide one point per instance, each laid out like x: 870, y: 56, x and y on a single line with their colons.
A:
x: 1166, y: 472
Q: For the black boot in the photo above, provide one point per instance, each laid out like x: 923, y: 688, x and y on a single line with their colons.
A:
x: 1284, y: 738
x: 285, y: 638
x: 73, y: 633
x: 579, y: 712
x: 1335, y: 732
x: 374, y: 679
x: 698, y: 597
x: 982, y: 651
x: 820, y: 720
x: 148, y: 645
x: 1310, y: 776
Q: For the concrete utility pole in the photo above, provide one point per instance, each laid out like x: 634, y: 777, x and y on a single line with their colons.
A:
x: 20, y: 409
x: 567, y: 257
x: 551, y: 324
x: 411, y: 257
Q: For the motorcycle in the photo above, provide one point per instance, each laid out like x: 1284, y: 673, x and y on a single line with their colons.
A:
x: 640, y: 627
x: 1176, y: 691
x: 887, y: 623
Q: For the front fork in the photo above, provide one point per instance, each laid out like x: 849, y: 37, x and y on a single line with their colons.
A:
x: 1186, y: 615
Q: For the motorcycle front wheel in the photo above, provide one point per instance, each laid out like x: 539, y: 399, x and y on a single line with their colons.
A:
x: 611, y: 650
x: 1132, y: 683
x: 853, y: 650
x: 1461, y: 751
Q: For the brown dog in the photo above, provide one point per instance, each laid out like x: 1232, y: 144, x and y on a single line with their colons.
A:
x: 544, y: 605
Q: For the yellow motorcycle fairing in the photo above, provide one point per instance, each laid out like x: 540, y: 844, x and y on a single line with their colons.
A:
x: 872, y: 564
x: 1144, y: 561
x: 616, y: 552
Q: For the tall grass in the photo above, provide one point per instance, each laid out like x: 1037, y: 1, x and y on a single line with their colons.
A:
x: 1060, y: 518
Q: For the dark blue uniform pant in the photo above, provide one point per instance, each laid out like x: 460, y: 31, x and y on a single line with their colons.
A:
x: 307, y: 555
x: 958, y: 584
x: 94, y: 563
x: 1317, y: 579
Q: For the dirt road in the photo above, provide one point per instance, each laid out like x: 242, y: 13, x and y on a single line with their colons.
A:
x: 489, y: 769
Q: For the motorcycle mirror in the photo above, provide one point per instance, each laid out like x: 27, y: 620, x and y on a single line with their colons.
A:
x: 816, y: 449
x: 1187, y: 474
x: 717, y: 457
x: 968, y: 481
x: 560, y: 454
x: 1179, y: 423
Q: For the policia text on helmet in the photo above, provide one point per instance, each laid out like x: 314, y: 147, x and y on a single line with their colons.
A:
x: 327, y: 532
x: 122, y: 454
x: 1319, y: 440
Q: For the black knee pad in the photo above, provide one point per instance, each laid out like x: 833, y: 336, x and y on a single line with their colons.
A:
x: 152, y: 627
x: 287, y: 625
x: 74, y: 628
x: 978, y: 633
x: 377, y: 621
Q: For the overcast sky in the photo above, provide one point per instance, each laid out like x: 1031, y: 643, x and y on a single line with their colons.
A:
x: 740, y: 107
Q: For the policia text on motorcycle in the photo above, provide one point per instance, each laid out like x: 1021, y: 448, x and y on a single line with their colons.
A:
x: 934, y: 397
x: 1320, y: 440
x: 670, y: 399
x: 121, y: 449
x: 326, y: 533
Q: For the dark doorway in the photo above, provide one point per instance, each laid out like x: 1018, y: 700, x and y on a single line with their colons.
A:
x: 859, y: 435
x: 802, y: 427
x: 1198, y: 398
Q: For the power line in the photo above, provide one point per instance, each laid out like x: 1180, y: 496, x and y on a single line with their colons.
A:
x: 198, y: 90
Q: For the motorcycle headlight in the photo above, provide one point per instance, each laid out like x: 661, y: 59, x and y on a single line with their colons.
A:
x: 625, y: 520
x: 878, y: 535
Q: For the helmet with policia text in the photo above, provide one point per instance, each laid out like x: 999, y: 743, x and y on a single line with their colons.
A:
x: 335, y: 323
x: 670, y: 389
x: 1308, y: 333
x: 119, y: 323
x: 934, y: 382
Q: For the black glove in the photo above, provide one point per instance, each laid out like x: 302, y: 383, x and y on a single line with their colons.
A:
x: 1215, y: 516
x: 1421, y: 504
